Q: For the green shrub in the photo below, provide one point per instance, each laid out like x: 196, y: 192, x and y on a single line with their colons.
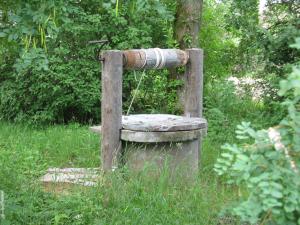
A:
x: 224, y: 108
x: 55, y: 77
x: 48, y: 72
x: 156, y: 93
x: 218, y: 44
x: 269, y: 167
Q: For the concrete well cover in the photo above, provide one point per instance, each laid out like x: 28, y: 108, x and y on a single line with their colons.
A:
x: 162, y: 123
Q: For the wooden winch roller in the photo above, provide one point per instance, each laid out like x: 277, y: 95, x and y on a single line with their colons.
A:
x: 154, y: 58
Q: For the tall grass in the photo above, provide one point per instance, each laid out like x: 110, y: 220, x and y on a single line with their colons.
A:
x: 26, y: 153
x: 123, y: 198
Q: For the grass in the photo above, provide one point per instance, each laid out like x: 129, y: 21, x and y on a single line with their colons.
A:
x: 27, y: 152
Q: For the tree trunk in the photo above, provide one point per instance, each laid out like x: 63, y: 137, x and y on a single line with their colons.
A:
x: 186, y: 32
x: 187, y: 23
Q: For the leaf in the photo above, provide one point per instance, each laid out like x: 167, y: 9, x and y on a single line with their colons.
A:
x: 242, y: 157
x: 2, y: 34
x: 297, y: 44
x: 227, y: 155
x: 264, y: 184
x: 242, y: 137
x: 251, y: 132
x: 276, y: 193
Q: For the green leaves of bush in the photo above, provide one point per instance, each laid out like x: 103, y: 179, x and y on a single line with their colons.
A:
x: 49, y: 73
x: 268, y: 163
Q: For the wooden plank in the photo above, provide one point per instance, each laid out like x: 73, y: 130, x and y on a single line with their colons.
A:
x: 161, y: 122
x: 193, y: 89
x: 111, y: 108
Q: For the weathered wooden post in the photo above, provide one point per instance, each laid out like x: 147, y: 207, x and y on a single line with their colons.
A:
x: 193, y: 85
x: 193, y: 95
x: 111, y: 108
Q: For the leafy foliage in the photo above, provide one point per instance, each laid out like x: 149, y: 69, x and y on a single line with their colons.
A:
x: 242, y: 21
x: 264, y: 38
x: 155, y: 95
x: 269, y: 168
x: 49, y: 74
x: 281, y: 27
x: 217, y: 42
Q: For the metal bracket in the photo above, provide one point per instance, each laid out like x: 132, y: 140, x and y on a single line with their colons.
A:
x: 97, y: 51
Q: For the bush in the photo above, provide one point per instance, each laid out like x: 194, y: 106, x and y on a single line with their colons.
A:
x: 218, y: 44
x: 269, y: 167
x: 156, y: 93
x: 55, y: 77
x: 48, y: 73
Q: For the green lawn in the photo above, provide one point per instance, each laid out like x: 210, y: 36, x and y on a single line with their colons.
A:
x: 26, y: 153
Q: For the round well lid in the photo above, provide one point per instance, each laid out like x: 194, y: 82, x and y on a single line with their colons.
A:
x: 162, y: 122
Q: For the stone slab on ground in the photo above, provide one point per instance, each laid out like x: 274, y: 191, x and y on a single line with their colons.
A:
x: 62, y: 179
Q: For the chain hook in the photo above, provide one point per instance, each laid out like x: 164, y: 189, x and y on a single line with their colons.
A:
x: 97, y: 51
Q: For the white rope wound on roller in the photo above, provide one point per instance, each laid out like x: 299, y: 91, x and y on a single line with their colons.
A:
x: 146, y: 59
x: 163, y: 59
x: 157, y: 58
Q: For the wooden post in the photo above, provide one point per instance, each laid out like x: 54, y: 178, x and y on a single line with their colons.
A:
x: 193, y: 94
x: 193, y: 87
x: 111, y: 108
